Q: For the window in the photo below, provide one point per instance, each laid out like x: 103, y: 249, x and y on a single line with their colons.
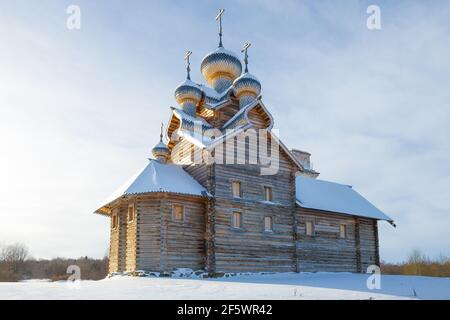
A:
x: 114, y: 221
x: 309, y: 226
x: 236, y: 189
x: 268, y: 224
x: 178, y: 212
x: 237, y: 220
x: 131, y: 213
x: 267, y: 193
x: 343, y: 231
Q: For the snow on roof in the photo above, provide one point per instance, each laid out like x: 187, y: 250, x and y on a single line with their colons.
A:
x: 218, y: 98
x: 189, y: 82
x: 158, y: 177
x: 183, y: 116
x: 335, y: 197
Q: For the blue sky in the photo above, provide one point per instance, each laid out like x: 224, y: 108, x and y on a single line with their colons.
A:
x: 80, y: 109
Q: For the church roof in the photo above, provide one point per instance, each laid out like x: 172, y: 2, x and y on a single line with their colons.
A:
x: 188, y: 121
x: 213, y: 97
x: 334, y: 197
x: 157, y: 177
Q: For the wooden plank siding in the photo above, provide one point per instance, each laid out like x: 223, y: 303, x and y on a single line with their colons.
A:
x: 114, y: 244
x: 164, y: 244
x: 250, y: 248
x: 259, y: 118
x: 326, y: 251
x: 369, y: 243
x: 117, y: 245
x: 206, y: 239
x: 148, y: 240
x: 131, y: 239
x: 224, y: 114
x: 182, y: 242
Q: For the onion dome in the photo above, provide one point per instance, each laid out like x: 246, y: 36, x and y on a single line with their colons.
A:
x: 246, y: 88
x: 188, y: 95
x: 161, y: 152
x: 220, y: 68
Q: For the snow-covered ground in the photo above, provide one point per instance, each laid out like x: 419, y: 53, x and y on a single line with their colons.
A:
x: 267, y: 286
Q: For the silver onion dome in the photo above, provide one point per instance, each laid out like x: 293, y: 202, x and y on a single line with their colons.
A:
x: 246, y: 88
x: 160, y: 151
x: 188, y: 94
x: 220, y: 68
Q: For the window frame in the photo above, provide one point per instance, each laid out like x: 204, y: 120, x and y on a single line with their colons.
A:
x: 241, y: 220
x: 267, y: 187
x: 174, y: 205
x: 271, y: 230
x: 114, y: 221
x: 133, y: 208
x: 240, y: 196
x: 313, y: 228
x: 345, y: 227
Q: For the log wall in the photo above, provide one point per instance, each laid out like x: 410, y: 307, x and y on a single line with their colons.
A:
x: 117, y: 246
x: 163, y: 243
x: 326, y: 251
x: 113, y: 244
x: 206, y: 239
x: 250, y: 248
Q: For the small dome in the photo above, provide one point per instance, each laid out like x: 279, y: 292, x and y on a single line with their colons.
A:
x: 188, y: 95
x: 220, y: 68
x: 246, y: 88
x: 161, y: 152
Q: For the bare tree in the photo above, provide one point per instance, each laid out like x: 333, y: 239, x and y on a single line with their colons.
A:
x: 14, y: 256
x: 416, y: 257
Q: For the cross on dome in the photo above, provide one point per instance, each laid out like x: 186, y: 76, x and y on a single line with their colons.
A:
x: 219, y: 19
x: 244, y: 49
x: 161, y: 134
x: 188, y: 63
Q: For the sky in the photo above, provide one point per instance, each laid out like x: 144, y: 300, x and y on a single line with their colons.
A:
x: 81, y: 109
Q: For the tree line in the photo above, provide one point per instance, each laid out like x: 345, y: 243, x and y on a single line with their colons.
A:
x: 419, y: 264
x: 17, y: 264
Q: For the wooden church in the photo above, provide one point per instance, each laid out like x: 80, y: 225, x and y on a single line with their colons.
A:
x: 224, y: 194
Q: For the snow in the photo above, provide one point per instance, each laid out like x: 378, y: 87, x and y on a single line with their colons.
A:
x: 189, y: 83
x: 284, y: 286
x: 210, y: 92
x: 335, y: 197
x: 223, y: 50
x: 247, y: 75
x: 181, y: 115
x: 159, y: 177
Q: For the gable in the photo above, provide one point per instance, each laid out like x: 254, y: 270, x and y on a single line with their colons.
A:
x: 259, y: 118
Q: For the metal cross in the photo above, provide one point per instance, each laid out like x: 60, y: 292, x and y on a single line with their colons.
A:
x: 244, y: 49
x: 161, y: 135
x: 188, y: 63
x: 219, y: 18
